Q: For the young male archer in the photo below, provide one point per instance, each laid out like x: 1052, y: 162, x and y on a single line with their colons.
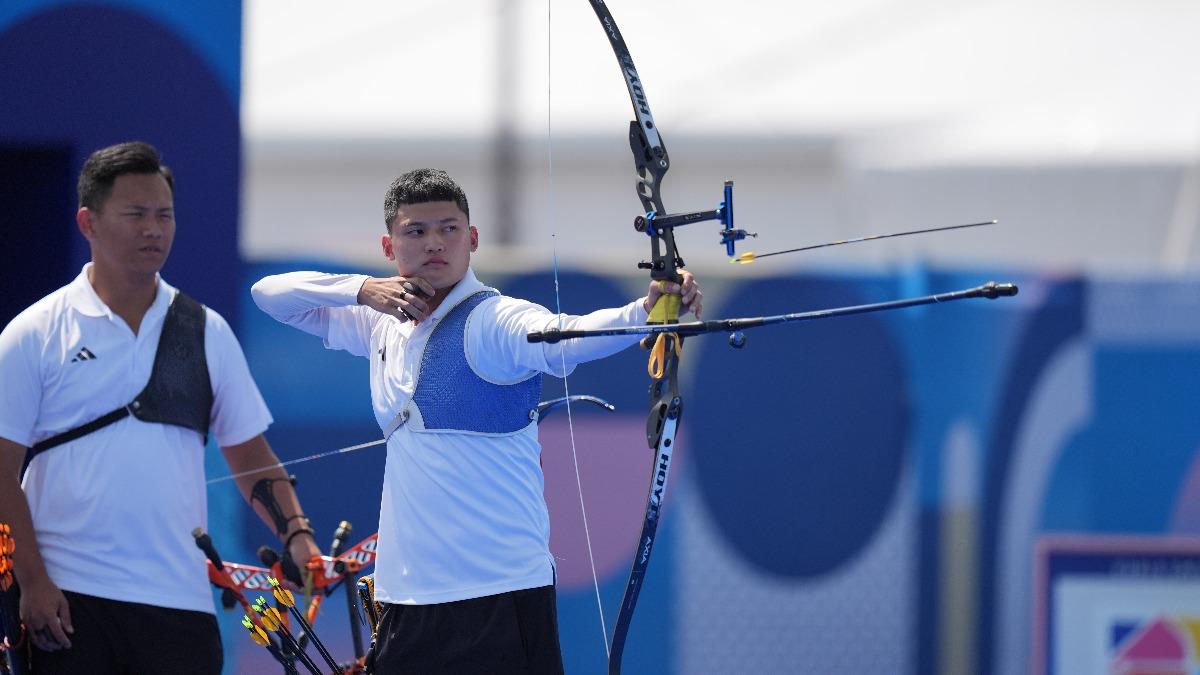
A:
x: 464, y: 569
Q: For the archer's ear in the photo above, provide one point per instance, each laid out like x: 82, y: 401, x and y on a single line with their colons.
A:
x: 388, y: 253
x: 85, y: 219
x: 474, y: 239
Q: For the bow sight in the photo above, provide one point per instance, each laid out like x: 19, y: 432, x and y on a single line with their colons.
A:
x: 653, y: 225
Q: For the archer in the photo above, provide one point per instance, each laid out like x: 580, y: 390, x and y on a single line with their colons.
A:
x: 111, y: 385
x: 463, y: 567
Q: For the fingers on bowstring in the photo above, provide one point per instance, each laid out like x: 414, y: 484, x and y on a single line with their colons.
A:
x: 414, y: 303
x: 396, y: 307
x: 419, y: 286
x: 411, y: 298
x: 410, y: 308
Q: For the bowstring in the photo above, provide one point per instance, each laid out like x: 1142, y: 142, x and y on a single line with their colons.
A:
x: 587, y: 536
x: 290, y: 462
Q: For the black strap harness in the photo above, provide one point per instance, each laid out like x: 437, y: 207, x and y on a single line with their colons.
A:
x: 179, y: 391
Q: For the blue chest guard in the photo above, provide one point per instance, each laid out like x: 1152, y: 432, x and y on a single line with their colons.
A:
x: 451, y: 397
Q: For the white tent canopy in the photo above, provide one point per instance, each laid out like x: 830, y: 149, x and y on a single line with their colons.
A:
x: 1076, y: 123
x: 918, y: 81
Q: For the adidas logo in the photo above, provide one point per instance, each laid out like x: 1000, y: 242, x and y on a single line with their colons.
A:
x: 84, y: 354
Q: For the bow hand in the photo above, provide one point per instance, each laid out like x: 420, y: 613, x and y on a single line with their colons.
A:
x: 304, y: 548
x: 686, y: 291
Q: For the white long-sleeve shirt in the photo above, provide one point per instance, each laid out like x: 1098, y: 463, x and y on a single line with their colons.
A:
x: 463, y: 515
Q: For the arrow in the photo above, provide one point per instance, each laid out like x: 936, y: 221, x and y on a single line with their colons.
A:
x: 285, y: 598
x: 750, y: 256
x: 270, y: 619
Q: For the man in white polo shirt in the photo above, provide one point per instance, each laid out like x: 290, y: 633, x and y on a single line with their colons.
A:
x: 110, y: 385
x: 464, y: 566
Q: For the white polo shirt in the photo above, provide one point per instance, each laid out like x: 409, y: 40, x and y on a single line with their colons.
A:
x: 463, y: 515
x: 113, y: 511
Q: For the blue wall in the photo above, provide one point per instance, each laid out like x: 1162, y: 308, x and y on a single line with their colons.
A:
x: 76, y: 77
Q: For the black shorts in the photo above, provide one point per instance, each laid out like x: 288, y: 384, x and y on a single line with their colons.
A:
x: 127, y: 638
x: 511, y: 633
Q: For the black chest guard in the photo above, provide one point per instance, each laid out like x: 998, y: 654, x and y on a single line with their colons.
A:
x: 179, y: 391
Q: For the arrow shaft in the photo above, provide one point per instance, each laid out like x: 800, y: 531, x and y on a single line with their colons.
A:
x: 874, y: 237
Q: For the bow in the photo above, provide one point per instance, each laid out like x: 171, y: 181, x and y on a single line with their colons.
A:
x: 327, y: 571
x: 663, y: 329
x: 651, y: 163
x: 269, y: 628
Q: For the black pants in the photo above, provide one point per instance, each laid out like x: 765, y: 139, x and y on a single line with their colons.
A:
x: 512, y: 633
x: 126, y: 638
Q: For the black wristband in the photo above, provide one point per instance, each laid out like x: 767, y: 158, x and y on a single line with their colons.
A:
x: 303, y: 530
x: 263, y: 491
x: 300, y: 516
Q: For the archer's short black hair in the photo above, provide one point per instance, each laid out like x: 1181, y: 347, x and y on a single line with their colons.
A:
x: 420, y: 186
x: 101, y: 169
